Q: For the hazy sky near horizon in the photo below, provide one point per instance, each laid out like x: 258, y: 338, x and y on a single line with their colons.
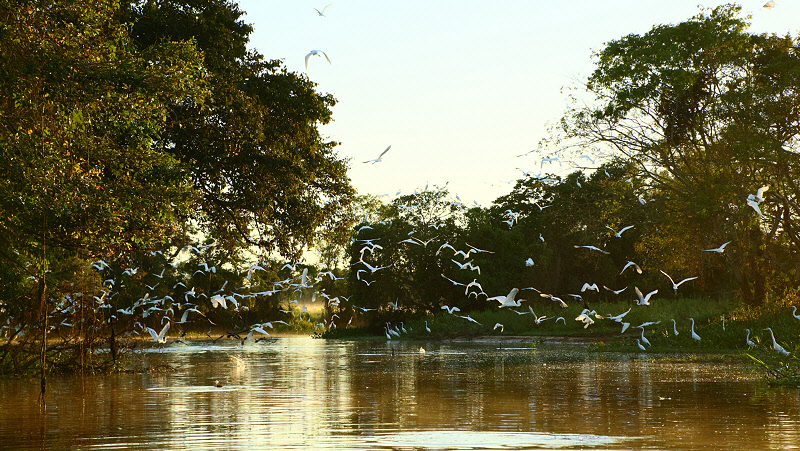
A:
x: 458, y: 89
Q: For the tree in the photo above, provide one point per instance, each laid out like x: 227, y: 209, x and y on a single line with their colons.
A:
x: 708, y: 113
x: 264, y: 175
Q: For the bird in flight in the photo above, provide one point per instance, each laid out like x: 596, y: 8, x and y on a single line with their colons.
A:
x: 676, y: 285
x: 769, y: 5
x: 619, y: 234
x: 322, y: 13
x: 376, y: 160
x: 317, y: 53
x: 719, y: 250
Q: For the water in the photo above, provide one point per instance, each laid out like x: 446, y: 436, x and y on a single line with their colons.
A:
x: 301, y: 393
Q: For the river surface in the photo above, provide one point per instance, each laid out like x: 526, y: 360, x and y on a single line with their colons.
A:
x: 303, y: 393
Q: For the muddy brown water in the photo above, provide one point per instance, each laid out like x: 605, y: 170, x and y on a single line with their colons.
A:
x: 303, y: 393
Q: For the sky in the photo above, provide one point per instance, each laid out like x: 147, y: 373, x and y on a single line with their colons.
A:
x: 457, y: 89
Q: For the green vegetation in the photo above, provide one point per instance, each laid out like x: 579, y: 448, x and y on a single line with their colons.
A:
x: 156, y: 169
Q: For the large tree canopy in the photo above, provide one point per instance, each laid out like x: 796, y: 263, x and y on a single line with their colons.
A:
x: 254, y: 154
x: 709, y: 113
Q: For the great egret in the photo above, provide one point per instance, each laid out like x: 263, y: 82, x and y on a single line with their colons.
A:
x: 500, y: 326
x: 747, y: 340
x: 794, y: 312
x: 718, y: 250
x: 592, y: 287
x: 644, y: 300
x: 628, y: 265
x: 676, y: 285
x: 674, y: 328
x: 318, y: 53
x: 322, y: 13
x: 593, y: 248
x: 619, y: 234
x: 778, y: 348
x: 375, y: 160
x: 644, y: 339
x: 161, y: 337
x: 640, y: 345
x: 450, y: 310
x: 426, y: 326
x: 694, y: 335
x: 507, y: 300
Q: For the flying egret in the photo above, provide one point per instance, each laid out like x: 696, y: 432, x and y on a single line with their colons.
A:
x: 619, y: 317
x: 160, y: 337
x: 624, y: 327
x: 594, y: 248
x: 322, y: 13
x: 769, y: 5
x: 450, y: 310
x: 592, y: 287
x: 500, y: 326
x: 643, y: 300
x: 676, y: 285
x: 749, y: 342
x: 619, y: 234
x: 469, y: 318
x: 507, y: 300
x: 778, y: 348
x: 718, y: 250
x: 318, y: 53
x: 529, y: 262
x: 628, y: 265
x: 375, y: 160
x: 695, y: 337
x: 615, y: 291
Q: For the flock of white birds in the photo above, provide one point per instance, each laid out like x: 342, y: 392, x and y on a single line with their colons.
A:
x: 188, y: 299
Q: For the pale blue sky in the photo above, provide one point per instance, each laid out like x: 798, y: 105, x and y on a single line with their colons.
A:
x: 458, y: 89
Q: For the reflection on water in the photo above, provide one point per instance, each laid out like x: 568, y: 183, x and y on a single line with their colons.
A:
x: 301, y: 393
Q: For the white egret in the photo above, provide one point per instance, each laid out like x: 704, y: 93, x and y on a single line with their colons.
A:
x: 695, y: 337
x: 160, y: 337
x: 624, y: 327
x: 676, y: 285
x: 529, y: 262
x: 794, y: 312
x: 644, y: 300
x: 640, y: 345
x: 644, y: 339
x: 594, y: 248
x: 318, y: 53
x: 507, y: 300
x: 562, y: 320
x: 778, y: 348
x: 628, y: 265
x: 502, y: 328
x: 749, y: 342
x: 718, y: 250
x: 769, y: 5
x: 322, y: 13
x: 592, y: 287
x: 615, y: 291
x: 469, y: 318
x: 674, y: 328
x: 619, y: 317
x: 450, y: 310
x: 619, y: 234
x: 426, y: 326
x: 375, y: 160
